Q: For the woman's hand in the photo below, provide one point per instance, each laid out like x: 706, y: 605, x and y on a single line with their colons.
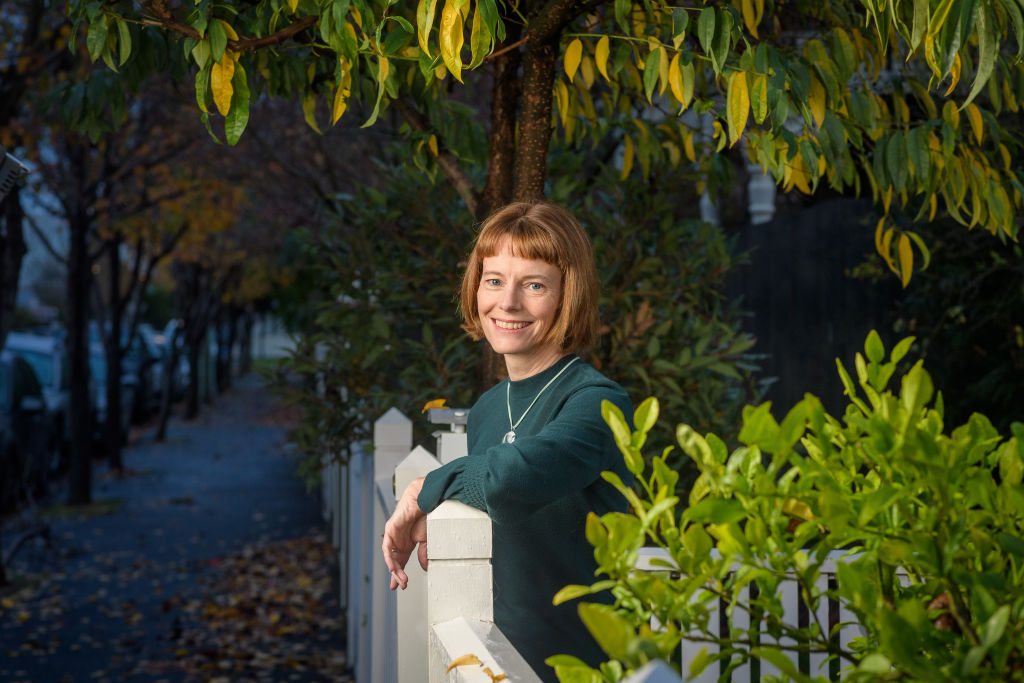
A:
x: 406, y: 528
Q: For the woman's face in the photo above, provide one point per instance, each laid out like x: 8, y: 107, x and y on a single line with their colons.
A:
x: 518, y: 301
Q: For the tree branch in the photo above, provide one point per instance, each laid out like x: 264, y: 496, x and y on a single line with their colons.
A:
x: 165, y: 20
x: 445, y: 159
x: 44, y: 239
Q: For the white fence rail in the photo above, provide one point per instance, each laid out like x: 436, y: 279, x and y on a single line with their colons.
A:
x: 414, y: 635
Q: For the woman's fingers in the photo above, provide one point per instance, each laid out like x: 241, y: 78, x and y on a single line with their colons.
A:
x: 406, y: 529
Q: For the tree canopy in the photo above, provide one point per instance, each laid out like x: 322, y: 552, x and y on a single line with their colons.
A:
x: 911, y: 101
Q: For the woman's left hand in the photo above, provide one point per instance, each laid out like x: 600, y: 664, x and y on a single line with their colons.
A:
x: 406, y: 529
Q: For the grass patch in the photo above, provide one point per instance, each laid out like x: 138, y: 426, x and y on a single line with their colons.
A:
x: 97, y: 508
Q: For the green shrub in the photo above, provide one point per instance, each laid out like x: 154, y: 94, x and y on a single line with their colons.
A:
x: 884, y: 487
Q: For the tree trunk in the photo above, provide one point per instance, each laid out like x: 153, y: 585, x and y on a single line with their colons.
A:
x: 12, y: 251
x: 192, y: 395
x: 80, y: 472
x: 113, y: 436
x: 165, y: 397
x: 502, y: 143
x: 245, y: 343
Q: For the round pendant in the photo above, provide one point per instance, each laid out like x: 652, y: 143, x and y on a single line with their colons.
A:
x: 510, y: 437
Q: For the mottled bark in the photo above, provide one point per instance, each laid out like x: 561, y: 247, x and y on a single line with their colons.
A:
x: 502, y: 148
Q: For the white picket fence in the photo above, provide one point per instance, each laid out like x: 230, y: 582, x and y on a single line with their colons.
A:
x: 414, y: 635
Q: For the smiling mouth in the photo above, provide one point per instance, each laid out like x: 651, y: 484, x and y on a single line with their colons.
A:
x: 510, y: 324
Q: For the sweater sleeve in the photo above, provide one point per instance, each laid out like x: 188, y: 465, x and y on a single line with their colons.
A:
x: 512, y: 481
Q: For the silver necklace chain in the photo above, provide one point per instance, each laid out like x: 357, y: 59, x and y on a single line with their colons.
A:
x: 511, y: 435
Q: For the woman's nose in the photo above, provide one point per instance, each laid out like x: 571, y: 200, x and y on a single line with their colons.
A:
x: 510, y: 299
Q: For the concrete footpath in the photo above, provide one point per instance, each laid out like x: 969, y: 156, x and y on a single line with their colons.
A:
x: 207, y: 562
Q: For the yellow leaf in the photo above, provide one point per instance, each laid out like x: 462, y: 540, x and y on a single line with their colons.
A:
x: 1005, y: 153
x: 974, y: 116
x: 797, y: 508
x: 231, y: 33
x: 737, y: 105
x: 887, y: 199
x: 878, y: 233
x: 562, y: 100
x: 463, y: 661
x: 954, y: 75
x: 816, y: 101
x: 601, y: 57
x: 951, y: 115
x: 452, y: 38
x: 750, y: 18
x: 688, y: 147
x: 884, y: 252
x: 437, y: 403
x: 675, y: 80
x: 573, y: 55
x: 293, y: 5
x: 343, y: 91
x: 662, y: 70
x: 220, y: 82
x: 933, y: 203
x: 627, y: 158
x: 587, y: 71
x: 906, y: 254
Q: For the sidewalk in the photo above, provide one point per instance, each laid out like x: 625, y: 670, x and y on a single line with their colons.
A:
x: 209, y: 564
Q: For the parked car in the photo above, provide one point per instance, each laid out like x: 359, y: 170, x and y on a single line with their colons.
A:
x: 129, y: 385
x: 25, y: 431
x: 49, y: 360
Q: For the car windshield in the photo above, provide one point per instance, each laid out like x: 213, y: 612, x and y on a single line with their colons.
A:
x: 42, y: 365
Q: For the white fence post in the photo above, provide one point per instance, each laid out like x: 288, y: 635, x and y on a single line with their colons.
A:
x: 392, y: 439
x: 412, y: 602
x: 459, y: 581
x: 360, y: 534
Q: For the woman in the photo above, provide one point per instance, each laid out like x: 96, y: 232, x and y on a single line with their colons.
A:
x: 537, y: 443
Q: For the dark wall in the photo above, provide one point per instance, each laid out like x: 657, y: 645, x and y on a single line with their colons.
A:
x: 806, y: 309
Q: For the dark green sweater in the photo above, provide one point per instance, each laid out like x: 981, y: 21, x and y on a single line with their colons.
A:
x: 537, y: 492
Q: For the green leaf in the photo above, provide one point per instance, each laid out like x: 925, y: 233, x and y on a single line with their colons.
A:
x: 614, y: 418
x: 680, y: 20
x: 873, y: 347
x: 124, y: 41
x: 716, y: 511
x: 650, y: 73
x: 645, y: 417
x: 722, y: 40
x: 706, y: 30
x: 570, y: 592
x: 992, y: 630
x: 901, y: 349
x: 917, y: 389
x: 218, y: 40
x: 988, y: 48
x: 759, y: 427
x: 238, y: 116
x: 611, y: 631
x: 96, y: 39
x: 920, y: 23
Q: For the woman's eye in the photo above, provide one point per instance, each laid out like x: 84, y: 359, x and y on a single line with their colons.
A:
x: 535, y: 287
x: 493, y: 283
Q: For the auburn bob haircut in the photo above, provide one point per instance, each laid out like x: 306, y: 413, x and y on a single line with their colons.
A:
x: 549, y: 233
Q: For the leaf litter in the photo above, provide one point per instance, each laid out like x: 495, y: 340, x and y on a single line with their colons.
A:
x: 265, y: 613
